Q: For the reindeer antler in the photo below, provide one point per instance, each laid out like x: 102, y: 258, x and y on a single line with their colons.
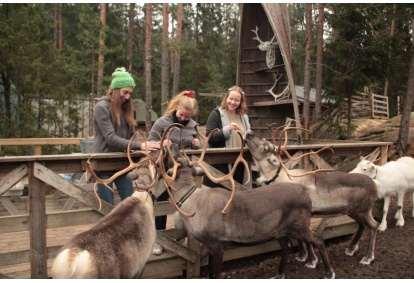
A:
x: 228, y: 177
x: 281, y: 147
x: 167, y: 179
x: 131, y: 166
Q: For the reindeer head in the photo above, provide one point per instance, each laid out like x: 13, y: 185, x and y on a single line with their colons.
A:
x: 144, y: 164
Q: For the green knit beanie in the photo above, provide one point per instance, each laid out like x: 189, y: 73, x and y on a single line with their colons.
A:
x: 121, y: 78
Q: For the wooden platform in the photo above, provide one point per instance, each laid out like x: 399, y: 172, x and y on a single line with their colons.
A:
x: 168, y: 265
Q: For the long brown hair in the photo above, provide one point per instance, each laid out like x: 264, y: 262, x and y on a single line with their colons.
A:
x: 185, y: 99
x: 242, y: 109
x: 116, y: 106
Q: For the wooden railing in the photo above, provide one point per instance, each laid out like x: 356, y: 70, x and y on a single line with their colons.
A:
x: 43, y: 170
x: 38, y: 142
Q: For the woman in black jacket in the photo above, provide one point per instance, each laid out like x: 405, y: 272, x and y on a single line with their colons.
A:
x: 229, y: 117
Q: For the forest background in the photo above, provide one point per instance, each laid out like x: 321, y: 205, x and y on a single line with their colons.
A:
x: 65, y: 52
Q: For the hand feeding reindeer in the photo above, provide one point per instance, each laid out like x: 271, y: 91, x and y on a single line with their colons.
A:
x: 118, y: 245
x: 221, y: 217
x: 396, y: 177
x: 333, y: 193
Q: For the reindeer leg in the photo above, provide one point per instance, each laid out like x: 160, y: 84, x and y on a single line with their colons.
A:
x: 383, y: 225
x: 399, y: 215
x: 284, y: 244
x: 412, y: 198
x: 369, y: 257
x: 215, y: 260
x: 313, y: 259
x: 303, y: 252
x: 355, y: 241
x: 316, y: 240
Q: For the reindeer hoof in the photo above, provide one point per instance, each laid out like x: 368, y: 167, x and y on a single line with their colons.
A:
x: 351, y: 250
x: 279, y: 276
x: 366, y: 260
x: 330, y: 275
x: 311, y: 264
x: 301, y: 258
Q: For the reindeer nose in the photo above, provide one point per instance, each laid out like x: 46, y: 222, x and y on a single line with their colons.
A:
x: 249, y: 134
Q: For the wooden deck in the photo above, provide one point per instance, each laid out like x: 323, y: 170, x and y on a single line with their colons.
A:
x: 16, y: 242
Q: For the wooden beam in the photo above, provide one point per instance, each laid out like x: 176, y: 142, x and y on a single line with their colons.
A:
x: 12, y: 178
x: 37, y: 225
x: 69, y: 188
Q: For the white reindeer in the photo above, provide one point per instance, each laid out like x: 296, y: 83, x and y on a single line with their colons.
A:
x: 396, y: 177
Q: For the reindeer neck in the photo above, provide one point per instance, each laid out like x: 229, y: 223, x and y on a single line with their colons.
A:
x: 274, y: 177
x: 187, y: 194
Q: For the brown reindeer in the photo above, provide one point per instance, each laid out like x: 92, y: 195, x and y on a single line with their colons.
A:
x: 331, y: 193
x: 118, y: 245
x: 218, y: 217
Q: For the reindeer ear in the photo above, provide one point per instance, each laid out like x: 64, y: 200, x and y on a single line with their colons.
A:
x: 361, y: 158
x: 198, y: 171
x: 170, y: 172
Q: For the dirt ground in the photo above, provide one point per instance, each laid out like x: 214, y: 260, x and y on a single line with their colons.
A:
x: 393, y: 256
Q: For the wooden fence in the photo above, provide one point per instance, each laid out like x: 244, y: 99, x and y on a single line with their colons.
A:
x: 178, y: 261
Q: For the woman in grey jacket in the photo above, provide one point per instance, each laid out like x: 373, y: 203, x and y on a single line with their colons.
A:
x: 114, y: 125
x: 180, y: 110
x: 228, y: 118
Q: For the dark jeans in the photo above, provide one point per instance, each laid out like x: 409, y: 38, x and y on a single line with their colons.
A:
x: 123, y: 185
x: 161, y: 221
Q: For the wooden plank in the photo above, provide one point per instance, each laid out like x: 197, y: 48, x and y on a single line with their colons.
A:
x: 173, y: 267
x: 175, y: 247
x: 12, y: 178
x: 270, y: 103
x: 37, y: 225
x: 10, y: 206
x: 85, y: 197
x: 39, y: 141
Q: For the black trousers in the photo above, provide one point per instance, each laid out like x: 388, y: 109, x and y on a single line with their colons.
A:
x: 161, y: 221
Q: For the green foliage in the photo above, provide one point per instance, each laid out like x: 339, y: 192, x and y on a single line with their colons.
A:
x: 40, y: 86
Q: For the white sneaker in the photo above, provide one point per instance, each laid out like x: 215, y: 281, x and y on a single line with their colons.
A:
x: 157, y: 250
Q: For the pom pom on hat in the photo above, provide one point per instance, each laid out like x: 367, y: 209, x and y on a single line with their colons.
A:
x: 121, y: 78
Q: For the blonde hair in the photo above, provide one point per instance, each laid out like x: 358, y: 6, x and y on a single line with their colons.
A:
x: 186, y: 100
x: 117, y: 106
x: 242, y: 109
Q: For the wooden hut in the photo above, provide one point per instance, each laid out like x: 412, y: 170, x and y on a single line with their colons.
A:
x: 265, y: 65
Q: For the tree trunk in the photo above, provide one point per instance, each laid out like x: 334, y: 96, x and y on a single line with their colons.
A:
x: 402, y: 141
x: 177, y: 52
x: 101, y: 57
x: 164, y: 70
x: 60, y: 21
x: 147, y: 65
x: 306, y: 82
x: 5, y: 81
x: 319, y: 61
x: 56, y: 25
x: 392, y: 32
x: 130, y: 35
x: 349, y: 113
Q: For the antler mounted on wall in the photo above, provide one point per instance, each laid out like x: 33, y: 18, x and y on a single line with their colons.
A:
x: 285, y: 94
x: 269, y: 47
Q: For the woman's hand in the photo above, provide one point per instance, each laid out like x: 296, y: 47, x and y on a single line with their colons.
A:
x: 150, y: 145
x: 233, y: 126
x: 195, y: 142
x: 166, y: 143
